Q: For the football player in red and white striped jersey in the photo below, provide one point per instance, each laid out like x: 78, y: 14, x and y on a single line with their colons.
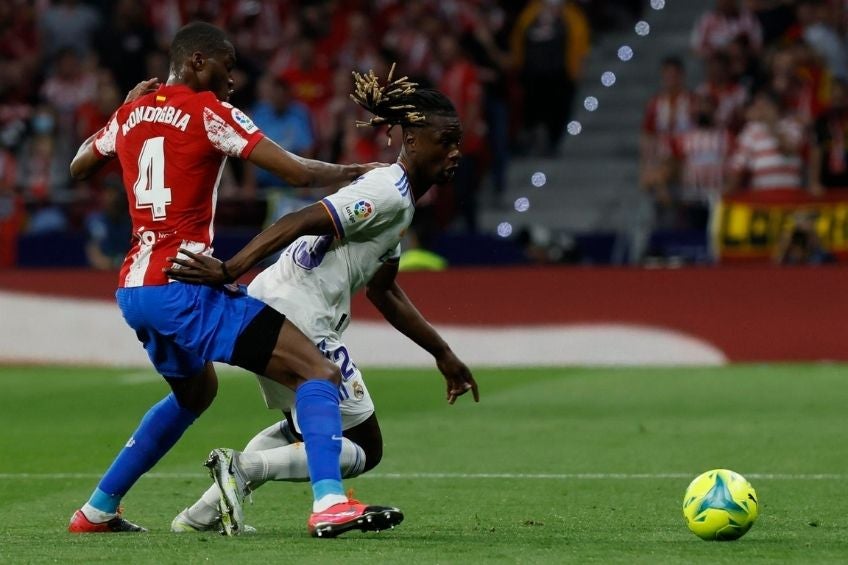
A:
x: 172, y: 144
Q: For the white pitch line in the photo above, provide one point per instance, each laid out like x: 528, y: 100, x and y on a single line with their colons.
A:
x: 526, y: 476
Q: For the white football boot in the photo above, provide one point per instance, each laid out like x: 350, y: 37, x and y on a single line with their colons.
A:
x: 223, y: 466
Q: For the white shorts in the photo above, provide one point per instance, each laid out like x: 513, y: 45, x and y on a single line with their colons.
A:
x: 355, y: 401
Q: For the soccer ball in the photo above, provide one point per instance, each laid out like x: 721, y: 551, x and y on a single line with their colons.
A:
x: 720, y: 505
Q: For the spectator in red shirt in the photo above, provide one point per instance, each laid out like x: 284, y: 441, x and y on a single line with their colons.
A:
x: 768, y: 151
x: 699, y: 163
x: 412, y: 32
x: 461, y: 83
x: 668, y: 113
x: 309, y: 76
x: 92, y: 114
x: 730, y: 96
x: 69, y: 86
x: 715, y: 29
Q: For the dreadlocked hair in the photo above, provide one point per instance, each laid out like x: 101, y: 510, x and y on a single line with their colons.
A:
x: 397, y: 102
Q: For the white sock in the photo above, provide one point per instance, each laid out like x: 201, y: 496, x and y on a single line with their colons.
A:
x: 269, y: 455
x: 205, y: 511
x: 288, y: 463
x: 327, y: 501
x: 275, y: 435
x: 96, y: 516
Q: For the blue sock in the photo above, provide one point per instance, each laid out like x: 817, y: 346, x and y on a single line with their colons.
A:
x: 317, y: 403
x: 159, y: 430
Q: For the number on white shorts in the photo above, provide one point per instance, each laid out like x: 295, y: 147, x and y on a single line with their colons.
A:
x: 149, y: 188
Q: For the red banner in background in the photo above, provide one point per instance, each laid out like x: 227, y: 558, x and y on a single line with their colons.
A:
x: 751, y: 313
x: 749, y: 226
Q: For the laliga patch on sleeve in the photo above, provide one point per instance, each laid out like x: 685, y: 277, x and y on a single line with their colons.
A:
x: 242, y: 120
x: 359, y: 211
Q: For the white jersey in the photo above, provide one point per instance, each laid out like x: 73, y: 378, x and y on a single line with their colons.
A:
x: 313, y: 280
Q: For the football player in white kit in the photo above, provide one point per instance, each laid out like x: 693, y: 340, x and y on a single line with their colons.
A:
x: 347, y: 241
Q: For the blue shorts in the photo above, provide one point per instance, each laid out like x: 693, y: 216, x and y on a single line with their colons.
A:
x: 183, y: 326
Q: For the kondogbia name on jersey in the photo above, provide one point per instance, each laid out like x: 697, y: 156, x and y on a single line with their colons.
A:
x: 159, y: 114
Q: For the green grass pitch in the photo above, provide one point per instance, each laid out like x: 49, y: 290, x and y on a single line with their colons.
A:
x: 553, y: 466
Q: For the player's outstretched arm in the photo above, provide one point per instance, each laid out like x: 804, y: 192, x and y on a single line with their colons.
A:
x: 396, y: 307
x: 299, y: 171
x: 203, y: 269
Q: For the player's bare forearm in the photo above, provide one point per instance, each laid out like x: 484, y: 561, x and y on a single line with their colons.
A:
x: 87, y: 161
x: 298, y: 171
x: 401, y: 313
x: 203, y: 269
x: 329, y: 174
x: 312, y: 220
x: 392, y: 302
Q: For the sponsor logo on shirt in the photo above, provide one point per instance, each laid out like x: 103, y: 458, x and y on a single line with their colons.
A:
x: 242, y: 120
x: 359, y: 211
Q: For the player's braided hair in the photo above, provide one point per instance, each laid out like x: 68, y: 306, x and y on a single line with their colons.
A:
x: 398, y: 101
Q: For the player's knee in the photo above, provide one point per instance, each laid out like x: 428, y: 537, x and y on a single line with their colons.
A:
x: 203, y: 396
x: 373, y: 454
x: 327, y: 371
x: 196, y: 398
x: 205, y: 401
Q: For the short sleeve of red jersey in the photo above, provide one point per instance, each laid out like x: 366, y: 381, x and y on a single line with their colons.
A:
x: 104, y: 143
x: 229, y: 130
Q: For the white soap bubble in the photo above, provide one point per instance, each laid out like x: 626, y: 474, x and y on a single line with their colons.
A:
x: 522, y: 204
x: 574, y: 127
x: 625, y: 53
x: 657, y: 4
x: 504, y: 229
x: 643, y: 28
x: 608, y: 78
x: 538, y: 179
x: 591, y: 103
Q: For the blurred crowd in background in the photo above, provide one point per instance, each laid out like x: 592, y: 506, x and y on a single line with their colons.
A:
x: 759, y: 102
x: 66, y: 65
x: 769, y: 111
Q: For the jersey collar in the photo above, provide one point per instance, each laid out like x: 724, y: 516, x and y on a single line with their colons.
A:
x: 405, y: 172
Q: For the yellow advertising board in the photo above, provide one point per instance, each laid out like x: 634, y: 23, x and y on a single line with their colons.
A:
x: 749, y: 226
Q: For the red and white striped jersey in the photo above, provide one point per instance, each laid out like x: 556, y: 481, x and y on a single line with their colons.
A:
x: 730, y: 100
x: 668, y: 114
x: 703, y: 153
x: 172, y: 145
x: 714, y: 31
x: 758, y: 152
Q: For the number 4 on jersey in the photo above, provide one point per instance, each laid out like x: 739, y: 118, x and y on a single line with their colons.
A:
x: 149, y: 188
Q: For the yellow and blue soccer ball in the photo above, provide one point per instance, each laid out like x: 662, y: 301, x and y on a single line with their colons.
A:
x: 720, y: 505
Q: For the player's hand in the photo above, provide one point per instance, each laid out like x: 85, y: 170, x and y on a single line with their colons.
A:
x: 142, y: 88
x: 198, y: 269
x: 457, y: 376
